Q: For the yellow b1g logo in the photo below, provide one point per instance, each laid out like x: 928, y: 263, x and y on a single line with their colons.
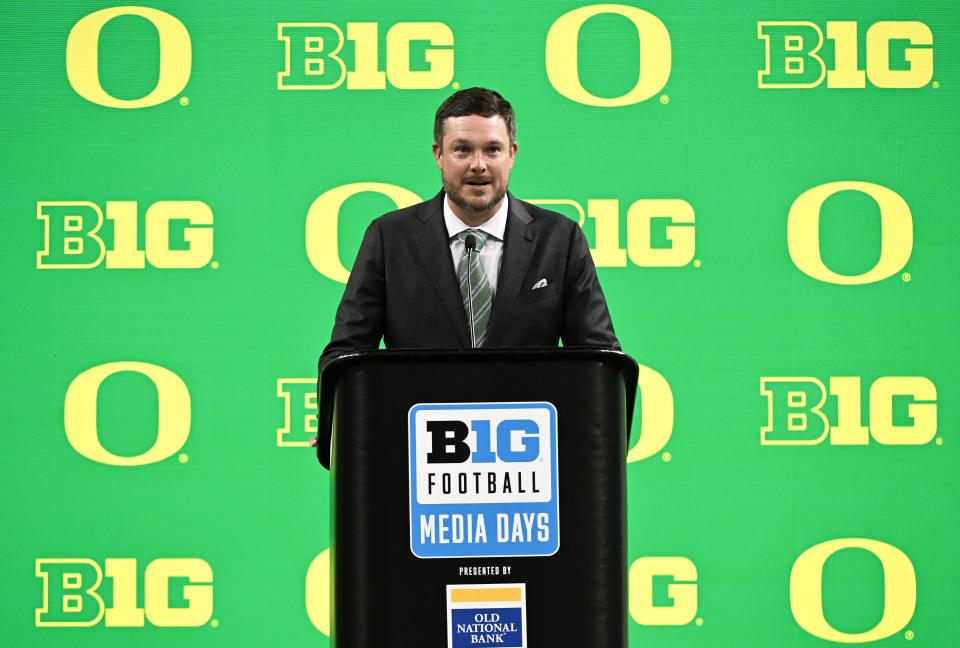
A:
x: 419, y: 56
x: 178, y: 234
x: 899, y: 54
x: 72, y: 595
x: 795, y: 413
x: 661, y: 232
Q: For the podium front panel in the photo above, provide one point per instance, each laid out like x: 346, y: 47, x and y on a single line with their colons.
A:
x: 385, y: 595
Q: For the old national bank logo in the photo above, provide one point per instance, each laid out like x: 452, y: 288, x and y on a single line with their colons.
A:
x: 483, y: 480
x: 487, y: 615
x: 902, y: 410
x: 415, y: 56
x: 797, y: 54
x: 74, y: 594
x: 79, y: 235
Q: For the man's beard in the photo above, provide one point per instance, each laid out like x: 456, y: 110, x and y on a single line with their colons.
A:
x: 478, y: 208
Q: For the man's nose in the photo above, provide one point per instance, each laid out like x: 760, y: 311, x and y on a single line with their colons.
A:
x: 477, y: 163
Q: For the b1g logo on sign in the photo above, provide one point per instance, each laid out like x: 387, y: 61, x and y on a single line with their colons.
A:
x: 483, y: 480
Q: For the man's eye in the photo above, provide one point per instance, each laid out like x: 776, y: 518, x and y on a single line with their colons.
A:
x: 494, y: 150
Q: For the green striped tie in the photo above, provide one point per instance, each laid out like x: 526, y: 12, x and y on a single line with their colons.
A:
x: 478, y: 300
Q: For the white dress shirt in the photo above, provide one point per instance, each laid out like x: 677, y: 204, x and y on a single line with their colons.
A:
x: 492, y: 251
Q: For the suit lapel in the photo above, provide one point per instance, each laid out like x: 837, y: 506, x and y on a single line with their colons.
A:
x: 435, y: 254
x: 518, y: 246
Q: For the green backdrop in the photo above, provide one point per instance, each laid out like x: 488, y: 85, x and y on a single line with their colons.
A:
x: 745, y: 282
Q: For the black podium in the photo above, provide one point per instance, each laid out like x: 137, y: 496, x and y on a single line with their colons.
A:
x: 478, y: 497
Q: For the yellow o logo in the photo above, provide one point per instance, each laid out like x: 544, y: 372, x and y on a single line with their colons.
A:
x: 80, y: 413
x: 318, y: 592
x: 563, y: 52
x: 656, y: 415
x: 324, y: 217
x: 803, y: 233
x: 83, y: 57
x: 806, y: 592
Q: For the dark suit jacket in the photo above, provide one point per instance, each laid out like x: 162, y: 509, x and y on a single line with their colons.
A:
x: 404, y: 287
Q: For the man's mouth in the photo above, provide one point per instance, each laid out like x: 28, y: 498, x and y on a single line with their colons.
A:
x: 478, y: 183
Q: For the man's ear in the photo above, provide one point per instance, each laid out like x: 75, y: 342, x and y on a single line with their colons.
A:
x: 437, y: 153
x: 513, y: 153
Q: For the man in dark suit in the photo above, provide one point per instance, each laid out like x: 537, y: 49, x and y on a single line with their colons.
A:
x: 473, y: 266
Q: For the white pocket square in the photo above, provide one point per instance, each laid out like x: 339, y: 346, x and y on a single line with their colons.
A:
x: 540, y: 284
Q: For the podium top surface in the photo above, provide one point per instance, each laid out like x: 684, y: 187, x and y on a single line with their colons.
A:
x: 334, y: 369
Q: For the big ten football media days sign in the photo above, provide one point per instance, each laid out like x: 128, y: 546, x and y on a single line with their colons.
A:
x: 483, y: 480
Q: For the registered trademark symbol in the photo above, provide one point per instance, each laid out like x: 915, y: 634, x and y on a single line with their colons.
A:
x: 936, y: 84
x: 666, y: 456
x: 939, y: 441
x: 699, y: 621
x: 183, y: 458
x: 214, y: 623
x: 184, y: 101
x: 664, y: 99
x: 697, y: 263
x: 215, y: 264
x: 909, y: 635
x: 906, y: 276
x: 455, y: 85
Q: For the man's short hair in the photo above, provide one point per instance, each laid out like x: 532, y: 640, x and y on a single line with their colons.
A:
x: 474, y: 101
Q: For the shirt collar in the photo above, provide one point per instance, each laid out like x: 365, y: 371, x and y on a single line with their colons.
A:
x: 495, y: 227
